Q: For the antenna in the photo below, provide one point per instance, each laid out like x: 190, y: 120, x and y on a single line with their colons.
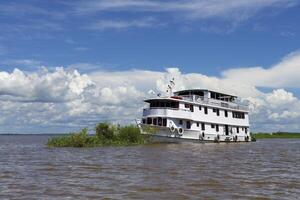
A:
x: 171, y: 85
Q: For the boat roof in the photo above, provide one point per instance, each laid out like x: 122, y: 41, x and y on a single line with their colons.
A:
x: 203, y: 90
x: 160, y: 98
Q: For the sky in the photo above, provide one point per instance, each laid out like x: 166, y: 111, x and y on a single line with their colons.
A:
x: 69, y: 64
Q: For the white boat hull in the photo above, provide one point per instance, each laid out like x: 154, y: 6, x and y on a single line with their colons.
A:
x: 165, y: 134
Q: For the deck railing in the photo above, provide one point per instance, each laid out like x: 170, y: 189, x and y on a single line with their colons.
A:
x: 215, y: 102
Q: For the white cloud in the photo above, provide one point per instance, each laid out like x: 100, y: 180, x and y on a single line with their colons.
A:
x: 280, y: 97
x: 196, y: 9
x: 65, y: 99
x: 85, y: 67
x: 284, y: 74
x: 57, y: 86
x: 123, y: 24
x: 39, y: 21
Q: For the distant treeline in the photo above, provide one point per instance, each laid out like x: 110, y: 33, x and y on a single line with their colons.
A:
x: 106, y: 134
x: 275, y: 135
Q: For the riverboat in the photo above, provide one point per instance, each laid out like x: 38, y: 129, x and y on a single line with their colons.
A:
x: 197, y: 114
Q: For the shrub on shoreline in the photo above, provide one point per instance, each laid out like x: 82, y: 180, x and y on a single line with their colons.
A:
x: 106, y: 134
x: 276, y: 135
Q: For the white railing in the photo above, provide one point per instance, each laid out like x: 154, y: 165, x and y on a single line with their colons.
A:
x: 215, y: 102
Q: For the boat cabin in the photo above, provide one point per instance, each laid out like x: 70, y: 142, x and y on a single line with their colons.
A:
x: 205, y: 94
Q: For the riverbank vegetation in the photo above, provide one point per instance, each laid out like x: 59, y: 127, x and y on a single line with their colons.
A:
x: 105, y: 135
x: 275, y: 135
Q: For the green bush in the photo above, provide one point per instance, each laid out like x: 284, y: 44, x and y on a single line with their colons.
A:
x: 276, y: 135
x: 130, y: 134
x: 80, y: 139
x: 106, y: 134
x: 105, y: 131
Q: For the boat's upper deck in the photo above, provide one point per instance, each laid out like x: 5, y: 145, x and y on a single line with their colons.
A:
x: 206, y: 94
x: 207, y: 97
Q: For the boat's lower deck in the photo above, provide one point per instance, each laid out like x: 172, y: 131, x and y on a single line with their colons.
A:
x: 165, y: 133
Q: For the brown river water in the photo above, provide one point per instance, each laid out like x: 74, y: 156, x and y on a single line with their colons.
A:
x: 267, y: 169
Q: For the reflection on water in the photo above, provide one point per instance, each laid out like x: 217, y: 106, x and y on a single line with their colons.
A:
x: 267, y: 169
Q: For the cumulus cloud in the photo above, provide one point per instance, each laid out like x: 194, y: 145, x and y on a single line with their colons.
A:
x: 63, y: 99
x: 284, y: 74
x: 44, y: 86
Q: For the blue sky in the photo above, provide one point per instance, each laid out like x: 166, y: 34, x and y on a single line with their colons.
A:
x: 202, y: 37
x: 61, y: 33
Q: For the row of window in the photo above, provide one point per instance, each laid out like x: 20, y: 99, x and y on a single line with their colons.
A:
x: 164, y: 104
x: 239, y: 115
x: 174, y: 104
x: 158, y: 121
x: 213, y: 126
x: 188, y: 124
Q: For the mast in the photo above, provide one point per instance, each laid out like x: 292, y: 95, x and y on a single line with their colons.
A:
x: 171, y: 85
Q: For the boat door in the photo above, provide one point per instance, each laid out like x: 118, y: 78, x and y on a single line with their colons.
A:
x: 226, y: 130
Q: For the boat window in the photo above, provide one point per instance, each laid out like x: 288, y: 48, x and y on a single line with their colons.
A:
x: 203, y: 126
x: 149, y: 120
x: 180, y: 122
x: 237, y: 129
x: 190, y: 92
x: 217, y: 127
x: 174, y: 104
x: 238, y: 115
x: 159, y: 121
x: 164, y: 104
x: 188, y: 124
x: 187, y: 105
x: 226, y: 113
x: 200, y: 108
x: 154, y: 121
x: 197, y: 124
x: 205, y: 110
x: 164, y: 122
x: 212, y: 126
x: 212, y: 95
x: 144, y: 121
x: 216, y: 111
x: 246, y: 130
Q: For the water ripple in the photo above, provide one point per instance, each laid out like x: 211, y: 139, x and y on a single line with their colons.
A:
x: 267, y: 169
